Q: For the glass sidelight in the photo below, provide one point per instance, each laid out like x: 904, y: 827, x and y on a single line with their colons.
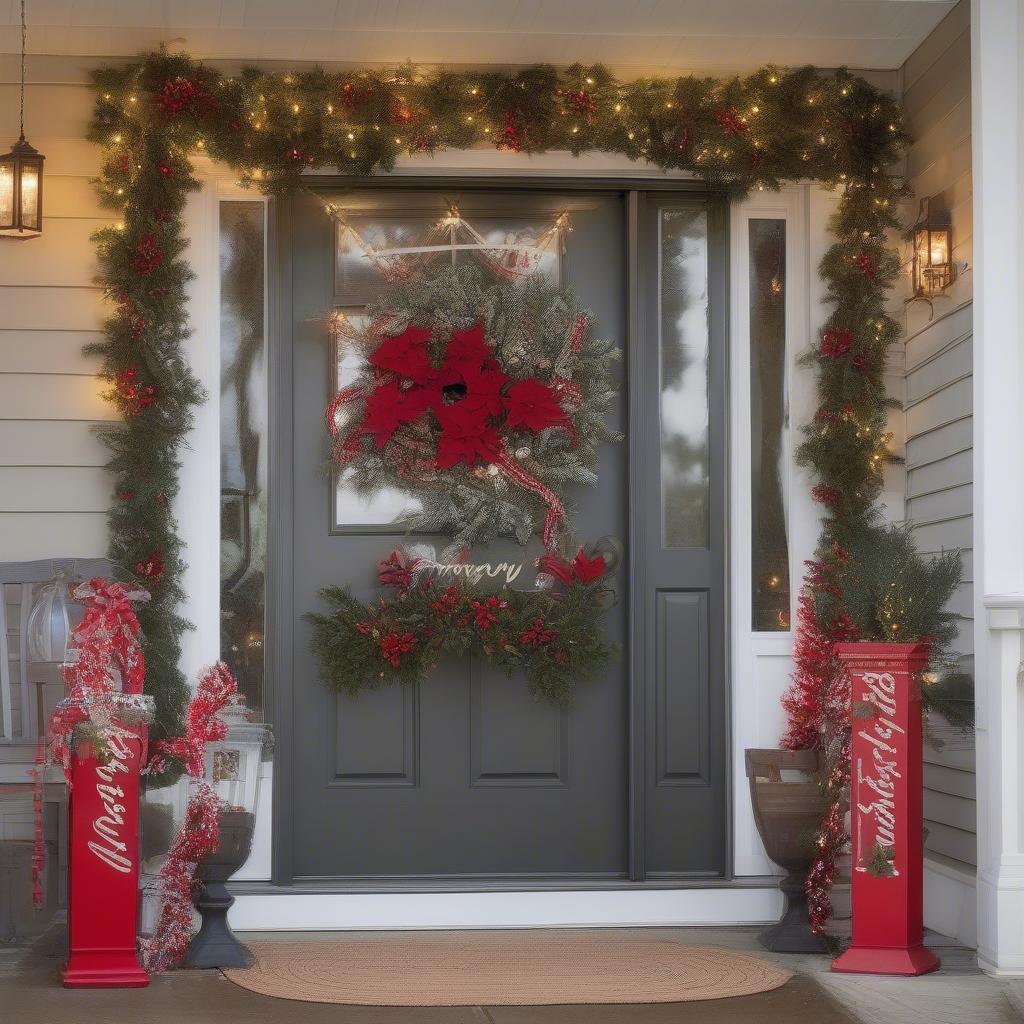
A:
x: 768, y: 424
x: 243, y: 445
x: 683, y: 333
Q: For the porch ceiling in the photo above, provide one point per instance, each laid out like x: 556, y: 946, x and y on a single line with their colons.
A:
x: 633, y: 36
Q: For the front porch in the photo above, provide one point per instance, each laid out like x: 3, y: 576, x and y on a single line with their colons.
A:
x: 473, y: 805
x: 958, y: 992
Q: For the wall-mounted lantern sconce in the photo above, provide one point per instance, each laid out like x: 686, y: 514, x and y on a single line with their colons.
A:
x: 933, y: 269
x: 21, y: 176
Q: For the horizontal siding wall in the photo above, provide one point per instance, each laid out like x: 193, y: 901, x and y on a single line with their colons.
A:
x: 938, y: 403
x: 54, y: 492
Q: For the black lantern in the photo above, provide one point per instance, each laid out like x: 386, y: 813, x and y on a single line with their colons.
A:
x: 933, y: 249
x: 21, y: 176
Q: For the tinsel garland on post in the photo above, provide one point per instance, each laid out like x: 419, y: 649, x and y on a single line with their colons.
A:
x: 737, y: 134
x: 199, y: 834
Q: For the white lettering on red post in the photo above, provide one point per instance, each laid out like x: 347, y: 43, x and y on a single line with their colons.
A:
x: 111, y: 847
x: 881, y: 772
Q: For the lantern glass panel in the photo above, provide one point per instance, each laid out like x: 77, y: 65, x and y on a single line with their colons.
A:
x: 6, y: 192
x: 30, y: 195
x: 938, y: 247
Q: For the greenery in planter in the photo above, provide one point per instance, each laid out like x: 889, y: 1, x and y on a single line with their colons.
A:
x: 893, y: 594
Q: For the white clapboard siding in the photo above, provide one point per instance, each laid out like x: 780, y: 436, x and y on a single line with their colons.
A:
x: 58, y: 396
x: 50, y: 443
x: 937, y: 393
x: 29, y: 537
x: 62, y: 256
x: 43, y: 351
x: 53, y: 490
x: 48, y: 307
x: 67, y: 489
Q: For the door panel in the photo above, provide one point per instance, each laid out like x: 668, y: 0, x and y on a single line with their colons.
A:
x: 464, y: 775
x: 682, y: 542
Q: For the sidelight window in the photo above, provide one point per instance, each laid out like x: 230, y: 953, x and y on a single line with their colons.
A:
x: 769, y: 416
x: 243, y: 445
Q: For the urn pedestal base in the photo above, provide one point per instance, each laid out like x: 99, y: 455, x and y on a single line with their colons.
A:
x: 792, y: 934
x: 215, y: 944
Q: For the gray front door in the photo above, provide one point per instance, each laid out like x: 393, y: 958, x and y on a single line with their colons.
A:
x: 464, y: 779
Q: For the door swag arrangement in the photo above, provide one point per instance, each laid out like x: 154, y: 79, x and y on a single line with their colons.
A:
x: 552, y: 635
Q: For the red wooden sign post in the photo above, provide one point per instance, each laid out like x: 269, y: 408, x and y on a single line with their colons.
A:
x: 103, y: 873
x: 886, y: 804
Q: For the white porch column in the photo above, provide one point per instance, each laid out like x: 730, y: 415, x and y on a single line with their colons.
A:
x: 997, y: 110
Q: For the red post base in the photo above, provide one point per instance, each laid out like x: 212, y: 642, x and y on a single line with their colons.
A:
x: 903, y: 962
x: 78, y: 974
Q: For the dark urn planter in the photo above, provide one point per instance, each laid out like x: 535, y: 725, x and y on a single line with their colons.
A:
x: 215, y: 944
x: 788, y: 809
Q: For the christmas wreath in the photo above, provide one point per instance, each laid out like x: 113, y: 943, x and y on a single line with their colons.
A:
x: 485, y: 401
x: 552, y: 635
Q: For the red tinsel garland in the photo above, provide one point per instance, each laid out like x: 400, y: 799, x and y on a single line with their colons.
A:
x: 817, y: 706
x: 199, y: 833
x: 198, y: 837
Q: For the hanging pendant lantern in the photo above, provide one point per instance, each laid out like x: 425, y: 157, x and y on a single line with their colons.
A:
x: 21, y: 176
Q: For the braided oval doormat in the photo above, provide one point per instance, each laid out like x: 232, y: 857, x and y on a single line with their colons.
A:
x: 518, y: 968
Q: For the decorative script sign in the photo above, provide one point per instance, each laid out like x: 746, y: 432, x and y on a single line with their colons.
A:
x: 475, y: 572
x: 109, y: 843
x: 878, y: 775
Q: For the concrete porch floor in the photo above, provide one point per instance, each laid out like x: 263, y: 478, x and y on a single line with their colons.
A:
x: 958, y: 994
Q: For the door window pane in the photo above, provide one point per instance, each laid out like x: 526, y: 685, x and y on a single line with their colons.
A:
x: 243, y: 447
x: 372, y: 250
x: 385, y: 506
x: 768, y: 424
x: 683, y: 333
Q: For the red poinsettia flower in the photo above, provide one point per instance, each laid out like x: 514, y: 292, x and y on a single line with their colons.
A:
x: 532, y: 405
x: 394, y: 645
x: 836, y: 342
x: 483, y: 390
x: 406, y: 354
x: 395, y: 571
x: 468, y: 349
x: 582, y: 569
x: 465, y: 436
x: 586, y: 570
x: 391, y: 405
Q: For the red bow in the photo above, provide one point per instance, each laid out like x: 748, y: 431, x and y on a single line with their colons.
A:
x: 580, y: 570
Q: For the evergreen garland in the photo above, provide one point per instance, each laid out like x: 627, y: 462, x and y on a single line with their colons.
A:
x: 737, y: 134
